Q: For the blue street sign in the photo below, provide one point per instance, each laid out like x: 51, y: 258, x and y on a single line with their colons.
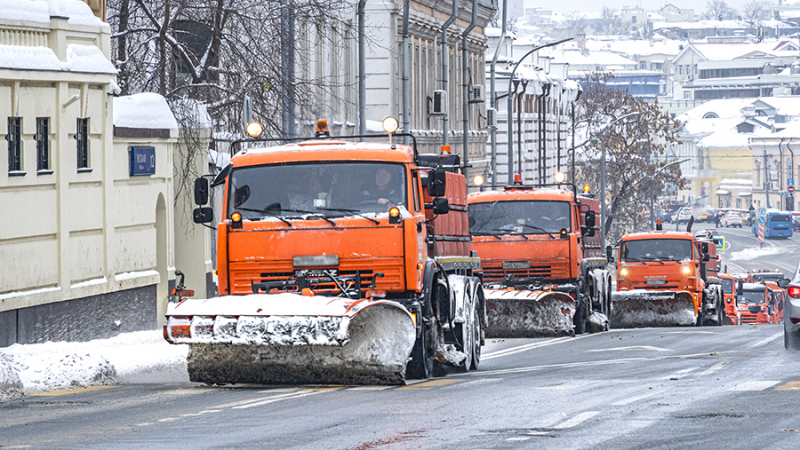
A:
x: 762, y: 215
x: 143, y: 161
x: 790, y: 181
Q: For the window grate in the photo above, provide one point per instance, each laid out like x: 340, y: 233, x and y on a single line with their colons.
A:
x: 82, y: 137
x: 14, y: 138
x: 42, y: 143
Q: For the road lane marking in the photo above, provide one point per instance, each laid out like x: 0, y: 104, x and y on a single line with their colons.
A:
x: 790, y: 386
x: 633, y: 347
x: 754, y: 385
x: 582, y: 417
x: 473, y: 383
x: 273, y: 400
x: 714, y: 368
x: 521, y: 438
x: 583, y: 364
x: 524, y: 348
x: 259, y: 399
x: 430, y: 384
x: 767, y: 340
x: 680, y: 372
x: 628, y: 401
x: 369, y: 388
x: 73, y: 391
x: 688, y: 332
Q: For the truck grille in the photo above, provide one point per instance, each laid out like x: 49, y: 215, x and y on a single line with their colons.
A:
x: 243, y: 274
x: 557, y: 271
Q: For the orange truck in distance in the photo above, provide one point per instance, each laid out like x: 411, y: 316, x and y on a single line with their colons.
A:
x: 667, y: 279
x: 730, y: 294
x: 542, y: 263
x: 338, y: 262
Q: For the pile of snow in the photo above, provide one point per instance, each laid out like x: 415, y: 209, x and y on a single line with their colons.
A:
x: 753, y: 253
x: 80, y: 58
x: 146, y: 110
x: 137, y: 357
x: 76, y: 11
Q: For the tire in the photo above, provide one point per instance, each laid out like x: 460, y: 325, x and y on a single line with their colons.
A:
x: 476, y: 336
x: 791, y: 340
x: 579, y: 320
x: 422, y: 357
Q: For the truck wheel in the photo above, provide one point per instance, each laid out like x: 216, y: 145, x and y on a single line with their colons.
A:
x: 580, y: 318
x: 422, y: 356
x: 476, y: 340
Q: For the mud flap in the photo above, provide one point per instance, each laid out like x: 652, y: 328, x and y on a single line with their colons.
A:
x: 515, y: 313
x: 641, y: 308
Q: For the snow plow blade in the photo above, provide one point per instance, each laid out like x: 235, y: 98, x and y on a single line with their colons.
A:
x: 643, y: 308
x: 292, y: 339
x: 513, y: 313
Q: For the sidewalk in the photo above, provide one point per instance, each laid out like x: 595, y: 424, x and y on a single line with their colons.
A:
x: 139, y: 357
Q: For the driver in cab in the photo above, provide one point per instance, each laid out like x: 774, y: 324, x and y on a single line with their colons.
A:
x: 382, y: 191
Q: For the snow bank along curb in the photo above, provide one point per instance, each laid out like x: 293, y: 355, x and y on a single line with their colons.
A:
x: 137, y: 357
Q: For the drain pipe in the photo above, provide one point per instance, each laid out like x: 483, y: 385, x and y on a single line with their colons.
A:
x: 362, y: 71
x: 492, y: 94
x: 465, y: 79
x: 406, y: 88
x: 445, y: 68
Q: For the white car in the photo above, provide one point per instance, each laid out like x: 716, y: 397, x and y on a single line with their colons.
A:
x: 733, y: 219
x: 683, y: 216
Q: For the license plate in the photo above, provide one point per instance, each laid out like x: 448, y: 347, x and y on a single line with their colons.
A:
x: 316, y: 261
x: 656, y: 282
x: 516, y: 265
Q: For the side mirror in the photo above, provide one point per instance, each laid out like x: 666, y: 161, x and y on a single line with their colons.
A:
x: 704, y: 246
x: 784, y: 283
x: 203, y: 215
x: 437, y: 182
x: 589, y: 219
x: 201, y: 191
x: 441, y: 206
x: 739, y: 287
x: 609, y: 253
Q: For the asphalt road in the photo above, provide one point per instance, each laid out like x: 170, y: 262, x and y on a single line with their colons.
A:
x: 742, y: 252
x: 661, y: 388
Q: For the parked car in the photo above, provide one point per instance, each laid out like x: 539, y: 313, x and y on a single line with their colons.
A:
x: 733, y: 219
x: 683, y: 216
x: 791, y: 312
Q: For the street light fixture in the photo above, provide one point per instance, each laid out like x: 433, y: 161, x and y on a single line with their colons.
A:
x: 603, y: 219
x: 510, y: 115
x: 560, y: 177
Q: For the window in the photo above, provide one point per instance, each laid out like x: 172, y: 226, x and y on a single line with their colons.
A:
x: 687, y: 95
x: 43, y: 145
x: 82, y: 137
x: 14, y: 138
x: 643, y: 65
x: 680, y: 70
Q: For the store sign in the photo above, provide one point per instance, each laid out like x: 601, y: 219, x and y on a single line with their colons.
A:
x: 143, y: 161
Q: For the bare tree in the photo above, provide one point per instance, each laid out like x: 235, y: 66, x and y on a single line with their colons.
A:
x: 634, y: 152
x: 718, y: 10
x: 511, y: 22
x: 611, y: 22
x: 756, y: 11
x: 209, y: 54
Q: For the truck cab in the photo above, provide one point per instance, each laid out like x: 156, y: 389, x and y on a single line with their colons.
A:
x: 729, y: 294
x: 753, y: 304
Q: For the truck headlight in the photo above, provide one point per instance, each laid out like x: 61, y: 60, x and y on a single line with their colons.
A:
x: 686, y: 270
x: 623, y: 272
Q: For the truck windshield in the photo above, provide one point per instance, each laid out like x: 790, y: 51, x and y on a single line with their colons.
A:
x: 753, y: 297
x: 332, y: 188
x: 727, y: 286
x: 519, y: 217
x: 657, y: 250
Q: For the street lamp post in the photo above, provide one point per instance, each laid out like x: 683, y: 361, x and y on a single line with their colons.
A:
x: 510, y: 115
x: 603, y: 219
x: 660, y: 169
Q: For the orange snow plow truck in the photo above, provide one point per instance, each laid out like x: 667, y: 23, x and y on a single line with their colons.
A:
x: 543, y: 270
x: 338, y: 262
x: 667, y: 279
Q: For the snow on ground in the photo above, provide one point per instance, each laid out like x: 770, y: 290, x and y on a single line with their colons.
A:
x: 138, y: 357
x: 754, y: 252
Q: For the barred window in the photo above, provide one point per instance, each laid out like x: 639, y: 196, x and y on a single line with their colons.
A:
x: 82, y: 137
x: 43, y: 144
x: 14, y: 138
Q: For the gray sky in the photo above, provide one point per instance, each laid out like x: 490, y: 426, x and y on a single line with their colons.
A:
x: 596, y: 5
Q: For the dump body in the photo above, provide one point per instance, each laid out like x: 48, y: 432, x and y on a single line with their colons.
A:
x: 539, y: 264
x: 665, y: 279
x: 328, y: 262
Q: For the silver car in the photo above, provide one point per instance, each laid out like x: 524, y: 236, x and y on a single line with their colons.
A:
x: 791, y: 312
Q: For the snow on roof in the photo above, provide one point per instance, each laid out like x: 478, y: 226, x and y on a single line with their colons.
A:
x: 599, y: 58
x: 495, y: 32
x: 76, y: 11
x: 722, y: 192
x: 736, y: 181
x: 80, y: 58
x: 145, y: 110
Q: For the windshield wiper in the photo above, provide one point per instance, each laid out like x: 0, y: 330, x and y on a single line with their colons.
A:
x: 264, y: 211
x: 537, y: 228
x: 510, y: 234
x: 655, y: 260
x: 632, y: 259
x: 314, y: 213
x: 351, y: 211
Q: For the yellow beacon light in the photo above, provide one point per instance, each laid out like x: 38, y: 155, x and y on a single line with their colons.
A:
x: 394, y: 214
x: 236, y: 217
x: 254, y: 130
x: 586, y: 188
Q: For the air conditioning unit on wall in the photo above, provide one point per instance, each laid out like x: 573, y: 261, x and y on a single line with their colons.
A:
x: 491, y: 118
x: 439, y: 103
x: 477, y: 94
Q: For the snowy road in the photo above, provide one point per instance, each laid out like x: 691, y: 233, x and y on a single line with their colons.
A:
x: 728, y: 387
x: 742, y: 252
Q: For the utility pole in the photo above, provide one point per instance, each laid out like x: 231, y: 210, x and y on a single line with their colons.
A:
x: 287, y: 68
x: 767, y: 181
